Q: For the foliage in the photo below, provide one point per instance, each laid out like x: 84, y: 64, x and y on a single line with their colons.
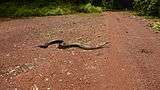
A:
x: 61, y: 10
x: 88, y: 8
x: 60, y: 7
x: 45, y: 9
x: 13, y: 10
x: 156, y: 26
x: 147, y: 7
x: 114, y: 4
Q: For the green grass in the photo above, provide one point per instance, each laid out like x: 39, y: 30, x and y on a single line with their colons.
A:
x: 156, y: 26
x: 35, y: 11
x: 88, y: 8
x: 11, y: 9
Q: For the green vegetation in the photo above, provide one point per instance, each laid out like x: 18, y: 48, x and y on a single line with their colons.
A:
x: 61, y: 7
x: 147, y: 7
x: 45, y: 9
x: 156, y: 26
x: 88, y: 8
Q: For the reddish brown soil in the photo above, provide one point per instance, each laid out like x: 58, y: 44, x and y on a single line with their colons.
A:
x: 130, y: 62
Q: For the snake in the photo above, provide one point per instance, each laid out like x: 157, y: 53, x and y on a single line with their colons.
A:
x: 63, y: 45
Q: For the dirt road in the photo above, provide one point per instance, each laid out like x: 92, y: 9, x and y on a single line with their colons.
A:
x: 130, y: 62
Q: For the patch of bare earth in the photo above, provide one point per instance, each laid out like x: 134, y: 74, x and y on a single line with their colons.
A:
x: 130, y: 62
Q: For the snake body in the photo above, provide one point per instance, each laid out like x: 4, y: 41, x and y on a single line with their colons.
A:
x: 64, y: 45
x: 45, y: 45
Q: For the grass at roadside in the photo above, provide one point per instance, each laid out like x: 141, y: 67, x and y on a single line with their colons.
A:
x: 11, y: 9
x: 156, y: 26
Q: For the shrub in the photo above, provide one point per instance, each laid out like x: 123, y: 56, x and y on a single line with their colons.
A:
x: 23, y: 12
x: 60, y: 10
x: 42, y: 9
x: 147, y: 7
x: 56, y: 11
x: 88, y: 8
x: 156, y: 26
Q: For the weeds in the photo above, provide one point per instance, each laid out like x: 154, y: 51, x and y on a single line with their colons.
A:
x: 88, y: 8
x: 156, y: 26
x: 11, y: 9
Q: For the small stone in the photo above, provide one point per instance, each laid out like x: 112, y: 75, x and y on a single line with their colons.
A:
x: 46, y: 79
x: 60, y: 80
x: 11, y: 77
x: 15, y: 45
x: 40, y: 75
x: 35, y: 59
x: 93, y: 67
x: 34, y: 87
x: 73, y: 53
x: 8, y: 55
x: 48, y: 88
x: 68, y: 73
x: 65, y: 61
x: 70, y: 62
x: 14, y: 74
x: 10, y: 82
x: 123, y: 69
x: 80, y: 78
x: 72, y: 84
x: 101, y: 75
